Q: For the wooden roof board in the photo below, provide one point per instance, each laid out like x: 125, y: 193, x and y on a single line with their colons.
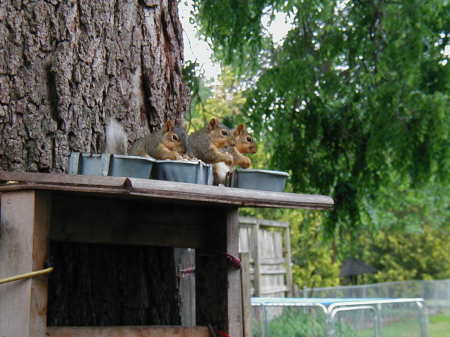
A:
x: 158, y: 189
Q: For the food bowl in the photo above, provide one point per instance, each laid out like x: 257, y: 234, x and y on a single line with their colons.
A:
x: 185, y: 171
x: 107, y: 164
x: 90, y: 164
x: 131, y: 166
x: 265, y: 180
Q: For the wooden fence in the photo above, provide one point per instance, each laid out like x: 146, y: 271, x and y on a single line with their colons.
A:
x: 266, y: 266
x: 268, y: 245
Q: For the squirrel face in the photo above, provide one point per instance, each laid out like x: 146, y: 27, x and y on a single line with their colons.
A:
x: 220, y: 135
x: 244, y: 142
x: 172, y: 140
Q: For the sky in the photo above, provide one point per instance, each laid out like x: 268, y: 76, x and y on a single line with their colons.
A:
x: 196, y: 49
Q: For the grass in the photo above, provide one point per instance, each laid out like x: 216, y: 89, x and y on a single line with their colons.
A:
x: 294, y: 323
x: 439, y: 326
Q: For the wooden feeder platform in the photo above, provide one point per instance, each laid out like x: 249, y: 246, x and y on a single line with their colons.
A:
x: 38, y: 207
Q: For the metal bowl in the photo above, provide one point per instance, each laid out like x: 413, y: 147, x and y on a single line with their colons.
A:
x: 265, y: 180
x: 185, y: 171
x: 107, y: 164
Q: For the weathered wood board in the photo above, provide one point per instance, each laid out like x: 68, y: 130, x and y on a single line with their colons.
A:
x: 268, y: 245
x: 23, y: 248
x: 158, y: 189
x: 129, y: 212
x: 129, y: 331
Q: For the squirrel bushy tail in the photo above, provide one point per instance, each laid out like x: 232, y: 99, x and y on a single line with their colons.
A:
x: 116, y: 138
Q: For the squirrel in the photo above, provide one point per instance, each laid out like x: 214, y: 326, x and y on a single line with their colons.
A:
x: 207, y: 143
x: 170, y: 142
x: 244, y: 143
x: 116, y: 138
x: 166, y: 143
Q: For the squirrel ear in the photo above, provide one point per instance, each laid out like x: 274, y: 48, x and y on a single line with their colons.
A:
x: 240, y: 129
x: 169, y: 126
x: 213, y: 123
x: 180, y: 123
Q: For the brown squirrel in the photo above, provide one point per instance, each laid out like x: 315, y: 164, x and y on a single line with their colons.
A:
x: 166, y: 143
x: 207, y: 143
x: 170, y: 142
x: 244, y: 143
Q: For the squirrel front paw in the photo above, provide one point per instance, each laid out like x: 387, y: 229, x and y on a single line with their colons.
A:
x: 245, y: 163
x: 228, y: 160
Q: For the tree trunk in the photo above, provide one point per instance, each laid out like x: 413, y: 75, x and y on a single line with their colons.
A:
x: 66, y: 66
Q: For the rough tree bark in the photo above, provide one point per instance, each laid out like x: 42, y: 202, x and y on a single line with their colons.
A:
x: 66, y: 66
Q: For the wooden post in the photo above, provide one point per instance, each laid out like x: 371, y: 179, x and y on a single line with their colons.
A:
x: 234, y: 275
x: 257, y: 262
x: 185, y: 262
x: 287, y: 251
x: 24, y: 228
x: 218, y: 285
x: 246, y: 303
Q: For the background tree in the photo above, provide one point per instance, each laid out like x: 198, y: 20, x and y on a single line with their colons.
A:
x: 354, y: 104
x: 65, y: 68
x: 313, y: 265
x: 356, y: 95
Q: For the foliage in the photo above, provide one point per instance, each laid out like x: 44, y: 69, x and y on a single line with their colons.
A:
x: 355, y: 97
x: 400, y: 209
x: 199, y: 90
x: 312, y: 255
x: 298, y: 322
x: 225, y: 102
x: 354, y: 104
x: 412, y: 242
x: 404, y: 256
x: 313, y: 265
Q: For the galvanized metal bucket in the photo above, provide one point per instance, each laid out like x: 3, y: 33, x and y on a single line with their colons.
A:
x: 107, y: 164
x: 265, y: 180
x: 194, y: 172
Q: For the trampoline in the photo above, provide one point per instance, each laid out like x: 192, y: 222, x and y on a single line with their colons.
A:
x: 332, y: 307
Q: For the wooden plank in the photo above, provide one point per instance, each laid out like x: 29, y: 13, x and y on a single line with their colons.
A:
x: 272, y: 290
x: 246, y: 303
x: 211, y: 276
x: 273, y: 223
x: 185, y: 262
x: 147, y: 188
x: 247, y: 220
x: 24, y: 225
x: 287, y: 254
x: 257, y: 263
x: 234, y: 290
x: 129, y: 331
x: 63, y: 179
x: 39, y: 285
x: 279, y: 271
x: 228, y: 195
x: 130, y: 222
x: 272, y: 261
x: 218, y: 292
